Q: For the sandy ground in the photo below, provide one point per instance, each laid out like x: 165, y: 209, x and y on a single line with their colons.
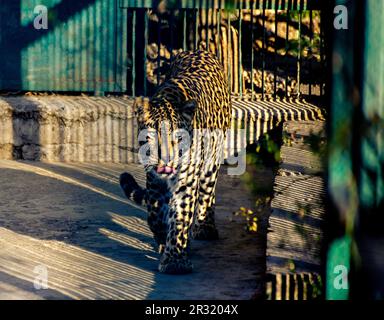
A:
x: 73, y: 222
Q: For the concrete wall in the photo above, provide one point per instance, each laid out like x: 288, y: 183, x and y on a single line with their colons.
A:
x: 59, y: 128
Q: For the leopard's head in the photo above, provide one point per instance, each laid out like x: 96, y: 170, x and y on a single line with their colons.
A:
x: 165, y: 133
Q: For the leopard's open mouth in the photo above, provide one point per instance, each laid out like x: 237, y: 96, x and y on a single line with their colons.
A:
x: 165, y: 170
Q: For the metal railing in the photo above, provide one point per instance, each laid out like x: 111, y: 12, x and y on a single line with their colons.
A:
x: 267, y: 48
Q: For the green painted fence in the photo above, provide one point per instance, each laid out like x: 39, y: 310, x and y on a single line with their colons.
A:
x: 356, y: 155
x: 83, y: 49
x: 87, y: 44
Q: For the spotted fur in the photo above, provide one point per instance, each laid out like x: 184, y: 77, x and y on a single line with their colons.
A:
x: 192, y: 104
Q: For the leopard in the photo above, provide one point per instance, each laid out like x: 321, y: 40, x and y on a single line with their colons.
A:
x: 182, y: 130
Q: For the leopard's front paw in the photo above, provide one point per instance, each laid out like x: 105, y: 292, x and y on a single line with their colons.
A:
x: 131, y: 189
x: 205, y: 232
x: 175, y: 265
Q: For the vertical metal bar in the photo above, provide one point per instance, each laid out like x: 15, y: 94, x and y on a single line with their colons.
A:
x: 121, y: 48
x: 310, y: 51
x: 263, y: 56
x: 98, y: 53
x: 240, y: 55
x: 93, y: 46
x: 286, y: 52
x: 77, y: 71
x: 229, y: 52
x: 252, y: 53
x: 122, y: 54
x: 218, y: 48
x: 158, y: 49
x: 112, y: 52
x: 321, y: 50
x: 133, y: 13
x: 185, y: 30
x: 371, y: 142
x: 90, y: 47
x: 105, y: 45
x: 84, y: 58
x: 196, y: 25
x: 145, y: 50
x: 275, y: 71
x: 207, y: 25
x: 299, y: 56
x: 171, y: 30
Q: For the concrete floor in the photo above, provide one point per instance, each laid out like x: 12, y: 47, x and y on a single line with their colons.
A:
x: 73, y: 222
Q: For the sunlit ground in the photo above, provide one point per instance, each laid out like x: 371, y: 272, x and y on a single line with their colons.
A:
x: 72, y: 271
x: 73, y: 221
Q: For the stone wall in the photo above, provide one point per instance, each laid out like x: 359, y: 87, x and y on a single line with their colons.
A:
x: 61, y: 128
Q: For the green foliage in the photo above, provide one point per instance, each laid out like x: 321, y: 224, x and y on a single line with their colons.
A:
x: 318, y: 144
x: 291, y: 265
x: 266, y: 152
x: 261, y: 158
x: 250, y: 217
x: 317, y: 288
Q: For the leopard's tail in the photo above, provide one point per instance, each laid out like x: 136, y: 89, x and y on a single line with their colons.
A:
x: 131, y: 188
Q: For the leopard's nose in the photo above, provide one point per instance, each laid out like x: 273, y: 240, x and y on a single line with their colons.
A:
x: 165, y: 169
x: 160, y: 169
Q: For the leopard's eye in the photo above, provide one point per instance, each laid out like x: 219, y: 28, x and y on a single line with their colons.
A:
x: 147, y: 139
x: 179, y: 138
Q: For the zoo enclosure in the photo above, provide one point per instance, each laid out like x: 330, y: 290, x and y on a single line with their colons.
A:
x: 267, y: 48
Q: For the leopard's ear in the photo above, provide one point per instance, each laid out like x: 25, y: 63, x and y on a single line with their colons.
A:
x: 188, y: 109
x: 140, y: 108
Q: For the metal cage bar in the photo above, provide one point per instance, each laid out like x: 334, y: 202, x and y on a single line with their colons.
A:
x: 185, y: 30
x: 247, y: 76
x: 240, y: 73
x: 252, y: 51
x: 133, y: 53
x: 310, y: 50
x: 218, y: 4
x: 263, y: 60
x: 298, y: 63
x: 229, y: 52
x: 275, y: 60
x: 158, y: 51
x: 287, y: 49
x: 146, y: 12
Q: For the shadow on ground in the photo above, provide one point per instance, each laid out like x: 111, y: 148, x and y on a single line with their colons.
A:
x: 73, y: 220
